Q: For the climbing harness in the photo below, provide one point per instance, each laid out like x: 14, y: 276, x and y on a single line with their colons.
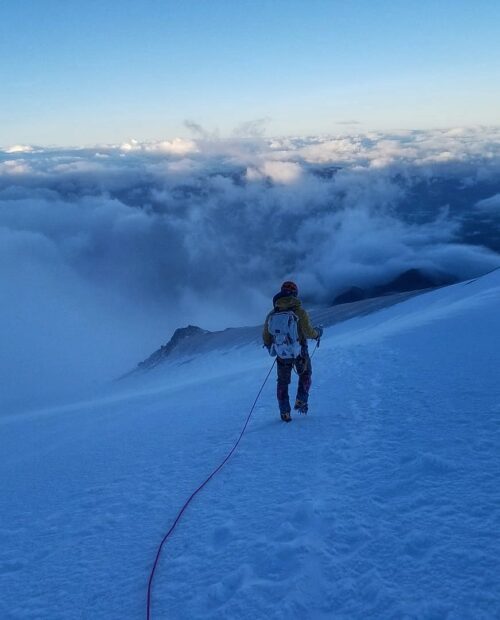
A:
x: 188, y: 501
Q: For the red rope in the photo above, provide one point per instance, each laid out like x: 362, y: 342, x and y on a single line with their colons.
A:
x: 188, y: 501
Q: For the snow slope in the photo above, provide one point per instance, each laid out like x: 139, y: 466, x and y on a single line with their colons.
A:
x: 384, y: 502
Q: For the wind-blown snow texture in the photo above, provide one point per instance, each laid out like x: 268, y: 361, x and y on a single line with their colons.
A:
x: 383, y: 503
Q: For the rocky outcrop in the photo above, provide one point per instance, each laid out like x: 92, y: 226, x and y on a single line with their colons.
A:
x: 178, y: 339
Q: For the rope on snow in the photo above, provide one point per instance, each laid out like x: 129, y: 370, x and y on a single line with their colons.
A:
x: 191, y: 497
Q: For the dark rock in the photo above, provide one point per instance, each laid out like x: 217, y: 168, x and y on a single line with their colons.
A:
x: 179, y: 336
x: 410, y: 280
x: 413, y: 280
x: 355, y: 293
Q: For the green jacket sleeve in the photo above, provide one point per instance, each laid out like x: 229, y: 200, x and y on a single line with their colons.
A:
x: 307, y: 329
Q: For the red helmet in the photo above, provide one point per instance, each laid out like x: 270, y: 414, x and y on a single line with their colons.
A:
x: 290, y: 287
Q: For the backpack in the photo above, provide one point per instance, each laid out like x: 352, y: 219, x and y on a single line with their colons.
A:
x: 283, y: 327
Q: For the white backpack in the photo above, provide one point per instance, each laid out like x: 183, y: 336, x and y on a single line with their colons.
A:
x: 283, y: 327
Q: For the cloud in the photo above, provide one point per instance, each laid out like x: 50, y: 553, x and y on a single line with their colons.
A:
x: 14, y: 167
x: 19, y: 148
x: 282, y: 171
x: 252, y: 129
x: 200, y: 132
x: 491, y: 204
x: 177, y: 146
x: 106, y: 250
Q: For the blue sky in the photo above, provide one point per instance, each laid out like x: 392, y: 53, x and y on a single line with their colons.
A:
x: 104, y: 71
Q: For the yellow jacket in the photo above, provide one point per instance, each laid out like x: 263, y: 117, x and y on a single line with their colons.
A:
x: 288, y: 302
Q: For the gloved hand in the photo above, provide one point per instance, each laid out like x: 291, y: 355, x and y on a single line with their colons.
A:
x: 269, y: 347
x: 319, y: 331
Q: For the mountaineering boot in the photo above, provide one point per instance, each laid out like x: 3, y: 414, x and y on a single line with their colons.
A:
x: 301, y: 406
x: 286, y: 417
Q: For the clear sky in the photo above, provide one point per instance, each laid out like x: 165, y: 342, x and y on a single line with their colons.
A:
x: 76, y: 72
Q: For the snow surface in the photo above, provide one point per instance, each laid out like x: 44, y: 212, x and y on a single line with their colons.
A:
x: 384, y: 502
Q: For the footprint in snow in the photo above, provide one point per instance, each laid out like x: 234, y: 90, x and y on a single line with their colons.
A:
x: 220, y: 593
x: 287, y: 532
x: 429, y: 464
x: 418, y: 545
x: 303, y: 515
x: 222, y: 535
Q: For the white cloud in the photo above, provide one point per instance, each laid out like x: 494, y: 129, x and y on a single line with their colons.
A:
x: 177, y: 146
x: 15, y: 166
x: 131, y: 145
x: 282, y: 171
x: 77, y: 166
x: 19, y: 148
x: 254, y: 174
x: 341, y: 150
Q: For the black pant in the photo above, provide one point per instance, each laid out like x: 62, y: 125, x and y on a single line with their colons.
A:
x: 302, y: 365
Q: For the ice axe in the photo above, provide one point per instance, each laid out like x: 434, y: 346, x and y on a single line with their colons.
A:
x: 318, y: 339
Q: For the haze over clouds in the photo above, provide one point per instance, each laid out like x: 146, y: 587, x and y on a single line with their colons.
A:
x: 105, y: 251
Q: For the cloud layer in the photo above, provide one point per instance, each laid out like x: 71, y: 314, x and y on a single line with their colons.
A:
x: 105, y: 251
